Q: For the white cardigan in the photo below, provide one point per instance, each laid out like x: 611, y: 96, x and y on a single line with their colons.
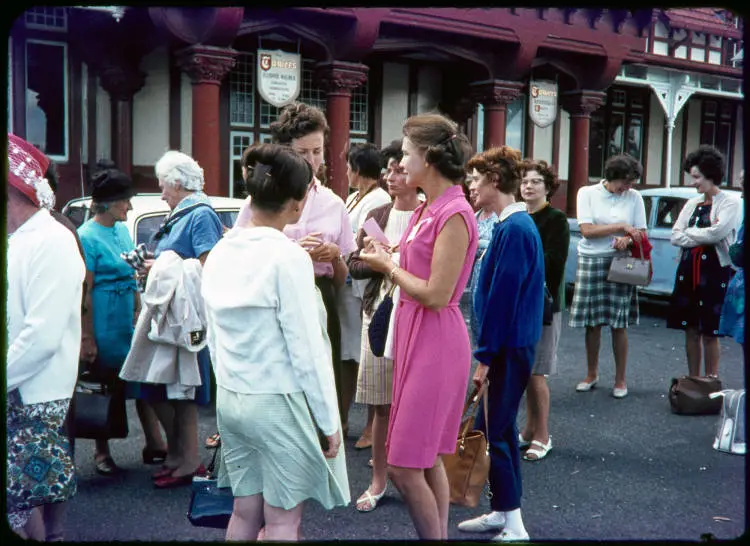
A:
x: 726, y: 213
x: 45, y: 280
x: 266, y: 321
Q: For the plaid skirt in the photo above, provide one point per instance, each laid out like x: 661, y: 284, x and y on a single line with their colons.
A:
x: 598, y: 302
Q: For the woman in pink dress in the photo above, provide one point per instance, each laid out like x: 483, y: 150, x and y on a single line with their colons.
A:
x: 432, y: 352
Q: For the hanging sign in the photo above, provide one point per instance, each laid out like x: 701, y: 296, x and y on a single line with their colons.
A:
x: 279, y: 76
x: 543, y: 102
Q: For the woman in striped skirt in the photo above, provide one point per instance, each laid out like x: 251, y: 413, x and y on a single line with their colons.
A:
x: 611, y: 217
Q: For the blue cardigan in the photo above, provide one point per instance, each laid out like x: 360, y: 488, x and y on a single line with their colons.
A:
x: 509, y: 299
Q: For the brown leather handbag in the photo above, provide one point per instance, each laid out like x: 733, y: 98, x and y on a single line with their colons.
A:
x: 690, y: 395
x: 469, y: 466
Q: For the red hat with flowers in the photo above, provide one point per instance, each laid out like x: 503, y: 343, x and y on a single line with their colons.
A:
x: 26, y: 168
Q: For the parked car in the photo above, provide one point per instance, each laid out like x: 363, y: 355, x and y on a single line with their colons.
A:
x: 149, y: 211
x: 663, y: 206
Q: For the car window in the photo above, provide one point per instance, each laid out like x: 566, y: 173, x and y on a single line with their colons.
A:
x: 78, y: 215
x: 145, y: 227
x: 648, y: 202
x: 668, y: 210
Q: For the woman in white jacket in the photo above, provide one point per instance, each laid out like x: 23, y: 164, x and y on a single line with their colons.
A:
x: 272, y: 359
x: 705, y: 228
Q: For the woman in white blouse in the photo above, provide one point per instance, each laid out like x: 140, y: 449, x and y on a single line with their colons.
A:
x: 612, y: 217
x: 272, y: 359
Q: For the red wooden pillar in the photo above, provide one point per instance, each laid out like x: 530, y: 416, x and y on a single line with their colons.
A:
x: 207, y: 66
x: 122, y: 82
x: 580, y: 104
x: 339, y: 78
x: 495, y: 96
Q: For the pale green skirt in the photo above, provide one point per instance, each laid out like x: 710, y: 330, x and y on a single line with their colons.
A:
x: 270, y: 446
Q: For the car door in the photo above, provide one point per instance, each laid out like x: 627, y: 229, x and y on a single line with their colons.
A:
x: 664, y: 256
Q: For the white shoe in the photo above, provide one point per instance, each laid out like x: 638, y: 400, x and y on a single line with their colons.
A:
x: 509, y: 535
x: 620, y: 393
x: 482, y: 524
x: 583, y: 386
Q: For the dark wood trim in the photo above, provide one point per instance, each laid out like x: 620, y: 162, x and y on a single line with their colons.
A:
x: 685, y: 130
x: 413, y: 90
x: 224, y: 129
x: 91, y: 98
x: 556, y: 133
x: 175, y: 104
x: 375, y: 103
x: 74, y: 109
x: 19, y: 85
x: 144, y: 179
x: 644, y: 141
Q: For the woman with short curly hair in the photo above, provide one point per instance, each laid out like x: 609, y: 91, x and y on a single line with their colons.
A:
x: 508, y: 302
x: 432, y: 352
x: 705, y: 228
x: 538, y: 184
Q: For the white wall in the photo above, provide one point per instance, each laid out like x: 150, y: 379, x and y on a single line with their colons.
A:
x: 564, y: 155
x: 103, y: 123
x: 739, y: 149
x: 543, y: 139
x: 655, y: 145
x: 395, y: 101
x: 151, y: 110
x: 428, y: 89
x: 186, y: 115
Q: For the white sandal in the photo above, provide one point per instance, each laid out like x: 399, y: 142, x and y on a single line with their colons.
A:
x: 540, y: 453
x: 369, y: 501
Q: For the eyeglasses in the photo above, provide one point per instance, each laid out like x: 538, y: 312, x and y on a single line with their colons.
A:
x: 532, y: 181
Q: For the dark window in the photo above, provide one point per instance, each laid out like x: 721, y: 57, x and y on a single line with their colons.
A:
x: 717, y: 129
x: 46, y: 112
x: 668, y: 211
x: 145, y: 227
x: 648, y: 203
x: 77, y: 215
x: 618, y: 127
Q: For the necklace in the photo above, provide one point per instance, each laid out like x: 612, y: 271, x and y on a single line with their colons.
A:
x: 360, y: 196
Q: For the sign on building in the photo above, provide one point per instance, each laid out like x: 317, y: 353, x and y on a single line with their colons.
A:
x: 543, y: 102
x: 279, y: 76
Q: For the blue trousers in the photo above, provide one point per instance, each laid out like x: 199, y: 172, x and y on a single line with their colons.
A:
x: 508, y: 375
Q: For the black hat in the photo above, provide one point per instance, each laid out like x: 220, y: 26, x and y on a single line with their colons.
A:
x: 111, y: 185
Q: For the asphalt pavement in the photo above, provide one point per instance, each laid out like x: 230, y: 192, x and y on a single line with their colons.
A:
x: 619, y: 469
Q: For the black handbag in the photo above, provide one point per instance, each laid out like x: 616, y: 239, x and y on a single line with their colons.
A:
x: 377, y: 332
x: 549, y: 303
x: 210, y: 505
x: 100, y: 412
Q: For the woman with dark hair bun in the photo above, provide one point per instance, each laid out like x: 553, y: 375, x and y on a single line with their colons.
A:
x: 324, y: 228
x: 705, y: 228
x: 266, y: 333
x: 432, y: 352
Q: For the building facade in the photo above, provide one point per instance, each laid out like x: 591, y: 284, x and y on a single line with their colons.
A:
x: 653, y: 83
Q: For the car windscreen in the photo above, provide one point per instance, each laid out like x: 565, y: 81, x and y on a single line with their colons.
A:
x: 147, y: 226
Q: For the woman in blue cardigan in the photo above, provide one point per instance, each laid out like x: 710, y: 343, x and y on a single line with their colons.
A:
x: 508, y: 301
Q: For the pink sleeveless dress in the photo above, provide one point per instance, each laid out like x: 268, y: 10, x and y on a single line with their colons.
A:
x: 432, y: 351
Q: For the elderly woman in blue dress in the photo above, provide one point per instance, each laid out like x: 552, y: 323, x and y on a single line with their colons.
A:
x: 191, y: 231
x: 114, y: 303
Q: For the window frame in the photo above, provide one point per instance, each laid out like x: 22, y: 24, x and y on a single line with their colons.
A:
x: 233, y: 157
x: 49, y: 28
x: 66, y: 91
x: 717, y: 120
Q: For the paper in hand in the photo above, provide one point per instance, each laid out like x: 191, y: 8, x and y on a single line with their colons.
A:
x: 372, y: 229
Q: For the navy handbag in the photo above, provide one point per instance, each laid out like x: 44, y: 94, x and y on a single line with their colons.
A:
x: 377, y: 332
x: 210, y: 505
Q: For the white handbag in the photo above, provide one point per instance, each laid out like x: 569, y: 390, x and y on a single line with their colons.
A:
x: 730, y: 432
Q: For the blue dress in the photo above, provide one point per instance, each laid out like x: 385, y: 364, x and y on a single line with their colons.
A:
x: 733, y: 312
x: 485, y: 228
x: 113, y: 293
x: 190, y: 236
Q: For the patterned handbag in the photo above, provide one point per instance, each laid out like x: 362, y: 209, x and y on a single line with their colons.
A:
x: 39, y: 457
x: 377, y: 332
